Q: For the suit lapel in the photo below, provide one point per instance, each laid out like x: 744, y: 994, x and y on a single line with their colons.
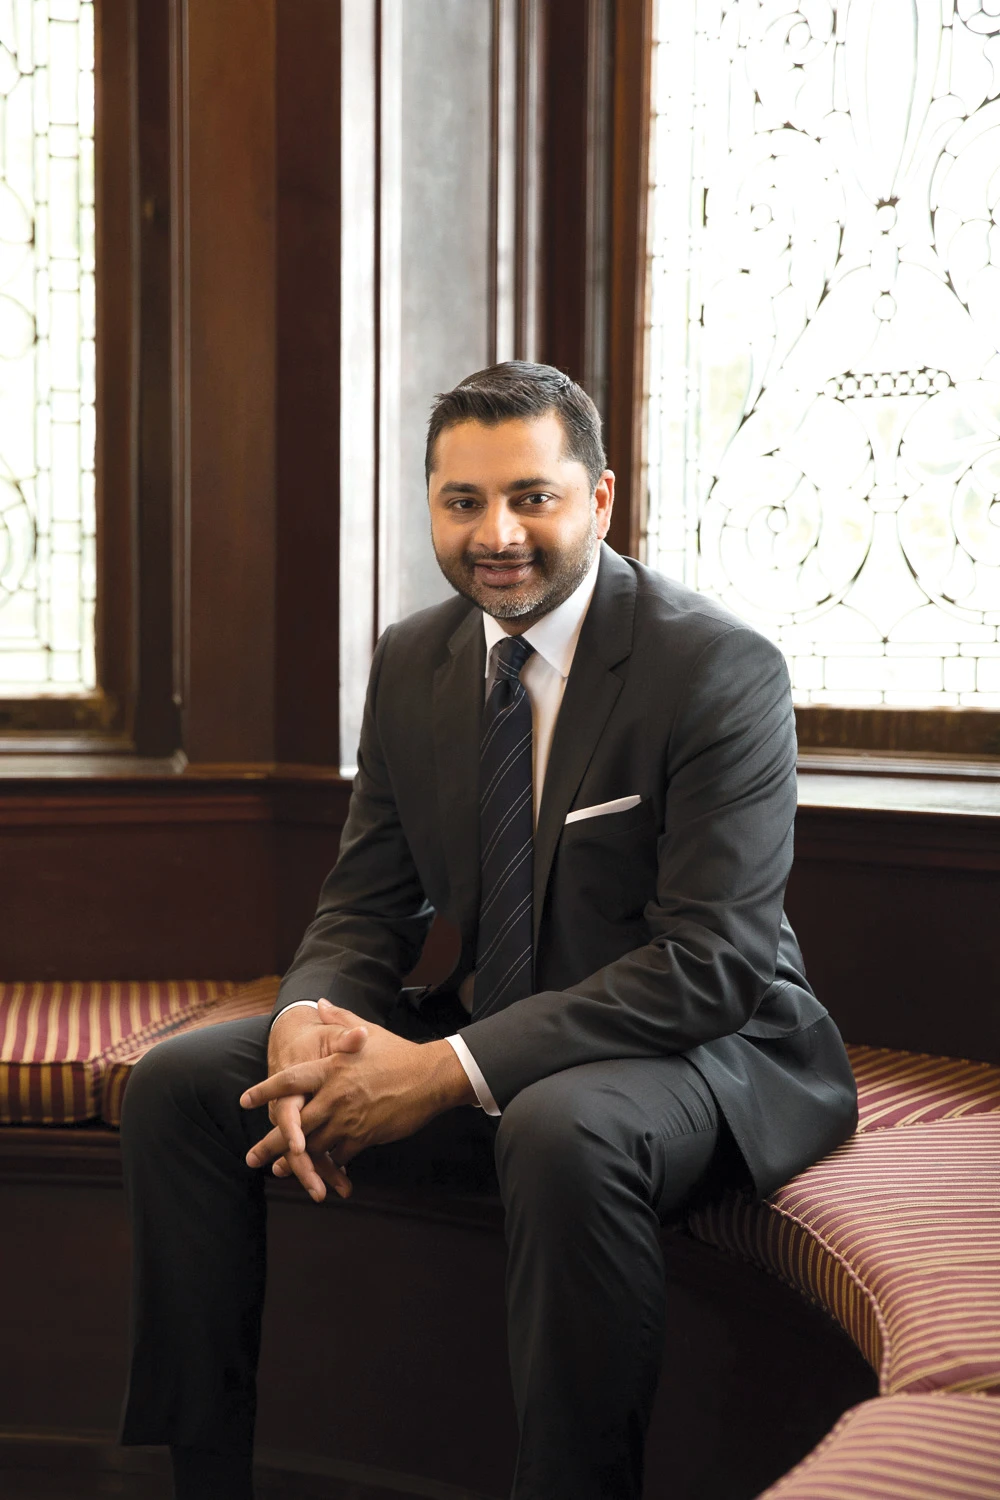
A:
x: 591, y: 692
x: 457, y: 719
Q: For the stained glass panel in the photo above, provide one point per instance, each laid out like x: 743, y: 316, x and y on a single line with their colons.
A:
x: 47, y: 513
x: 824, y: 398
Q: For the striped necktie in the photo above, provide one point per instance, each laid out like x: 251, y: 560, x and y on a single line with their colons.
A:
x: 506, y: 831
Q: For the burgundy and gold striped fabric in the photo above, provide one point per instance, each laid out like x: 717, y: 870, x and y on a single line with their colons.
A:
x: 54, y: 1037
x: 913, y: 1088
x: 255, y: 999
x: 941, y: 1447
x: 897, y: 1234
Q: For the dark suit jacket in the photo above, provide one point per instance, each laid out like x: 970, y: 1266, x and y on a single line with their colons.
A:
x: 658, y: 930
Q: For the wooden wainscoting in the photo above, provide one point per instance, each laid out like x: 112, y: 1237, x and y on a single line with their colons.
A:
x: 895, y: 907
x: 158, y: 874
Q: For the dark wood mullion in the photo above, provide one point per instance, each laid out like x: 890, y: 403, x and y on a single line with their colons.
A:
x: 597, y: 200
x: 628, y: 260
x: 226, y: 386
x: 564, y: 185
x: 308, y: 382
x: 576, y: 85
x: 116, y: 111
x: 497, y: 103
x: 527, y: 267
x: 157, y: 729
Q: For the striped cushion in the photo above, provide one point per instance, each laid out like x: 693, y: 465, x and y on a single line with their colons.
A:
x: 939, y: 1447
x: 255, y: 999
x: 897, y: 1234
x: 913, y: 1088
x: 53, y: 1039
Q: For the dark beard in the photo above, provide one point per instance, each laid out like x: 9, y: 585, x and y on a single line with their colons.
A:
x: 560, y: 574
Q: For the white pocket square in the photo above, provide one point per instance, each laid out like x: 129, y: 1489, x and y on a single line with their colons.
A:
x: 601, y: 809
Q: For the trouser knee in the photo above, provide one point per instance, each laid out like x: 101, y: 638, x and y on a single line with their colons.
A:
x: 554, y: 1152
x: 157, y: 1088
x: 194, y: 1081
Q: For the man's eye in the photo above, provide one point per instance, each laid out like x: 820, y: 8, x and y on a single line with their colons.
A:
x: 463, y: 502
x: 535, y: 500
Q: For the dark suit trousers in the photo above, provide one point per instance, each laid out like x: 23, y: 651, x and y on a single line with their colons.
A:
x: 589, y: 1163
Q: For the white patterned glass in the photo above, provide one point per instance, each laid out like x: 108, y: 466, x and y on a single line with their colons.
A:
x: 47, y: 521
x: 824, y: 389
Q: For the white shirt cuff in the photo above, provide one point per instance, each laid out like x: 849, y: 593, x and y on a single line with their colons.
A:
x: 313, y: 1003
x: 473, y: 1074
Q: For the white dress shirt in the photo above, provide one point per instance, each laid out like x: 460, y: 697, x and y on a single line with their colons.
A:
x: 544, y: 676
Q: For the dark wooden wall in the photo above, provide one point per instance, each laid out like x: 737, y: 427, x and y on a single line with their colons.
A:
x: 190, y: 836
x: 895, y: 910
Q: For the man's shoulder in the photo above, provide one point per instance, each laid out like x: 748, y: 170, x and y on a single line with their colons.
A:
x: 672, y: 613
x: 426, y: 633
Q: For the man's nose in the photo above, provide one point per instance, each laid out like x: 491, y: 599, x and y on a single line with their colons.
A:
x: 500, y: 529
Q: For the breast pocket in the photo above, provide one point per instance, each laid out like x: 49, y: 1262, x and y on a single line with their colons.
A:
x: 607, y: 863
x: 610, y: 824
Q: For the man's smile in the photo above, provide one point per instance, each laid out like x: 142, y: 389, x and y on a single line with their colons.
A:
x: 503, y: 574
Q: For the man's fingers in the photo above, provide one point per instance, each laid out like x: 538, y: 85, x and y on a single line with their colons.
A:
x: 301, y: 1078
x: 325, y: 1167
x: 326, y: 1140
x: 299, y: 1163
x: 286, y: 1114
x: 332, y: 1174
x: 273, y: 1145
x: 323, y: 1128
x: 287, y: 1133
x: 304, y: 1168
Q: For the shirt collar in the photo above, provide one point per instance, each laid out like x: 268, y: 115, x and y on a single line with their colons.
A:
x: 555, y: 635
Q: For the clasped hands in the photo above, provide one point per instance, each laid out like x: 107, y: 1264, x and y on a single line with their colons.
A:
x: 337, y: 1084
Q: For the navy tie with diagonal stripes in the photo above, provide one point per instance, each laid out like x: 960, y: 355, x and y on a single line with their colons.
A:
x: 506, y: 831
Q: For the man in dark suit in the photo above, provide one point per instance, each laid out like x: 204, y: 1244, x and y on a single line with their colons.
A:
x: 590, y: 770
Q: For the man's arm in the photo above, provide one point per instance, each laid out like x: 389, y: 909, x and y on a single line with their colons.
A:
x: 337, y: 1080
x: 714, y: 917
x: 372, y: 917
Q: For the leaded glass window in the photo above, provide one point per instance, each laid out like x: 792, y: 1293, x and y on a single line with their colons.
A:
x: 47, y: 511
x: 824, y: 395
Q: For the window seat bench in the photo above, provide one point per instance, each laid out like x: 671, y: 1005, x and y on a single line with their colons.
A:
x: 888, y: 1249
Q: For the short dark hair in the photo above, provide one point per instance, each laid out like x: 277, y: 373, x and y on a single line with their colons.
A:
x: 515, y: 389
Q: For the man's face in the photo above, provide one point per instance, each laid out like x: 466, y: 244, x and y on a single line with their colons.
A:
x: 513, y: 522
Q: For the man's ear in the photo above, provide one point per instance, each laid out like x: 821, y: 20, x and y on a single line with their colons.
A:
x: 604, y: 502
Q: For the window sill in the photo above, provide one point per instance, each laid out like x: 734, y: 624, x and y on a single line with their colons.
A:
x: 855, y: 783
x: 962, y: 789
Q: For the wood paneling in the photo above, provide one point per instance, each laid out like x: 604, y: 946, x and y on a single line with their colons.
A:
x: 155, y: 886
x: 895, y: 912
x: 308, y: 381
x: 162, y: 876
x: 227, y: 189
